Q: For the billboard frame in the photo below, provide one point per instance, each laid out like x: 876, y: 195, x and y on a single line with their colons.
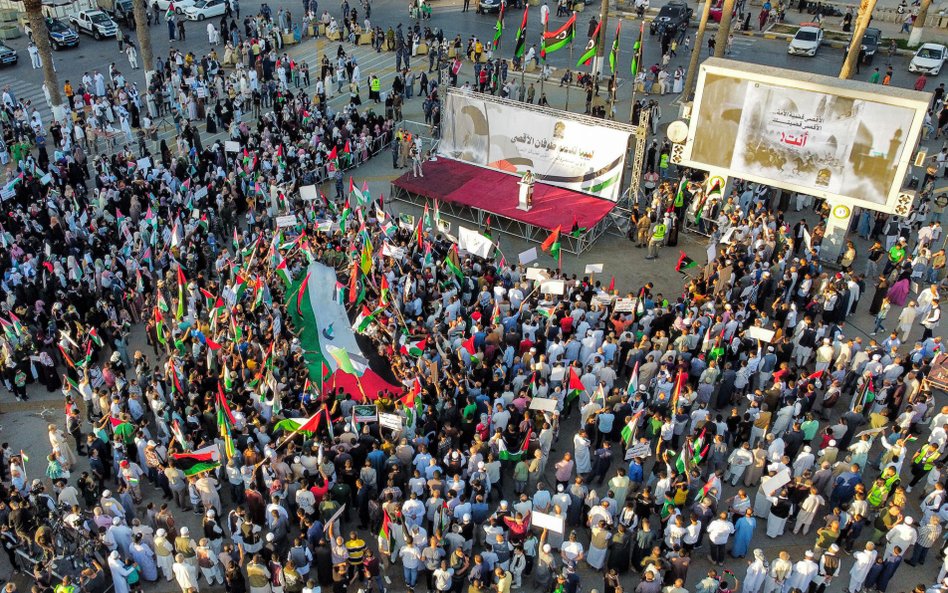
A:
x: 817, y: 83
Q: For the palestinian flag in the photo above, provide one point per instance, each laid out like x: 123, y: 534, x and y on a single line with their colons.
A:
x: 94, y: 334
x: 122, y: 428
x: 506, y: 455
x: 614, y: 54
x: 521, y: 39
x: 706, y: 489
x: 198, y: 462
x: 170, y: 12
x: 552, y: 244
x: 343, y: 362
x: 384, y: 291
x: 282, y: 271
x: 364, y: 319
x: 414, y: 348
x: 637, y: 51
x: 633, y: 380
x: 684, y: 458
x: 545, y: 312
x: 591, y: 47
x: 684, y: 262
x: 626, y: 433
x: 309, y: 425
x: 385, y: 533
x: 575, y: 385
x: 499, y: 27
x: 556, y: 40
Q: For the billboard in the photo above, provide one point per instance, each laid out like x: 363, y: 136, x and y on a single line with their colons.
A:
x: 561, y: 148
x: 841, y: 140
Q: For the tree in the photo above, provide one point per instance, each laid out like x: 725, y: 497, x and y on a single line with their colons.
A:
x: 144, y: 38
x: 34, y: 14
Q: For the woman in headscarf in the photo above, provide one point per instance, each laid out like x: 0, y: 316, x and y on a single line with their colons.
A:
x: 756, y: 572
x: 145, y: 558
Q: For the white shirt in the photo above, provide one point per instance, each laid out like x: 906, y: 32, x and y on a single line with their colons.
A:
x: 719, y: 530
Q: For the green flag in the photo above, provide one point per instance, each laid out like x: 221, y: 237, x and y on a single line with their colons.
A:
x: 521, y: 39
x: 614, y: 54
x: 555, y: 40
x: 637, y: 51
x: 591, y: 47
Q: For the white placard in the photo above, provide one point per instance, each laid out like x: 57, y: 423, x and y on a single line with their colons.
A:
x: 231, y: 146
x: 807, y: 240
x: 771, y: 485
x: 638, y: 450
x: 392, y: 251
x: 603, y: 300
x: 393, y: 421
x: 593, y: 269
x: 557, y: 374
x: 308, y: 193
x: 200, y: 192
x: 546, y: 521
x: 553, y: 287
x: 712, y: 252
x: 335, y: 515
x: 286, y: 221
x: 624, y: 305
x: 759, y: 333
x: 144, y: 163
x: 7, y: 192
x: 543, y: 403
x: 473, y: 242
x: 537, y: 274
x: 870, y: 431
x: 528, y: 256
x: 406, y: 221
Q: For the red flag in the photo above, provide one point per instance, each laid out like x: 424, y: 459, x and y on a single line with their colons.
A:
x: 181, y: 279
x: 332, y: 154
x: 554, y: 236
x: 469, y: 345
x: 222, y: 402
x: 354, y: 282
x: 612, y: 284
x: 212, y: 344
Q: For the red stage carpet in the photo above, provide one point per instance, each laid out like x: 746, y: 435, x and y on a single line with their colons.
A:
x: 496, y: 192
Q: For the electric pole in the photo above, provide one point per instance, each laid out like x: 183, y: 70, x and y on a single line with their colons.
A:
x: 724, y: 29
x: 862, y: 21
x: 34, y: 14
x: 918, y: 26
x: 143, y: 31
x: 696, y: 50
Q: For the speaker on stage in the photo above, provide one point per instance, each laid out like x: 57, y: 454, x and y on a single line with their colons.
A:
x: 525, y: 201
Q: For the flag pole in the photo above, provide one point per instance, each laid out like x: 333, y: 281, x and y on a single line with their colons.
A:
x: 570, y: 83
x: 543, y: 49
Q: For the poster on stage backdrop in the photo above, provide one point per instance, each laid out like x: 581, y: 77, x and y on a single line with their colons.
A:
x: 845, y: 141
x: 559, y: 147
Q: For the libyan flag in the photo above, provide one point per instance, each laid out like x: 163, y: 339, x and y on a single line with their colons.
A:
x: 556, y: 40
x: 591, y: 48
x: 197, y: 462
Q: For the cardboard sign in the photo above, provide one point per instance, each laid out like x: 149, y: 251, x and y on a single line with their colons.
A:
x: 638, y: 450
x: 308, y: 193
x: 406, y: 221
x: 393, y: 421
x: 200, y: 192
x: 283, y: 222
x: 537, y: 274
x: 624, y: 306
x: 546, y: 521
x: 759, y: 333
x: 365, y: 413
x: 772, y: 485
x: 231, y: 146
x: 144, y: 163
x: 544, y: 404
x: 7, y: 192
x: 594, y: 268
x: 444, y: 226
x: 603, y: 300
x: 393, y: 252
x: 335, y: 515
x: 557, y: 374
x: 553, y: 287
x: 473, y: 242
x: 528, y: 256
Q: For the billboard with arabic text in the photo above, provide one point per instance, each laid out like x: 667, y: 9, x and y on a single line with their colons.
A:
x: 846, y: 141
x: 561, y: 148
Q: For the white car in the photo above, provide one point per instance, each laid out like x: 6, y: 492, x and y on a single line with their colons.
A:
x: 179, y: 5
x: 205, y: 9
x: 929, y: 59
x: 806, y: 42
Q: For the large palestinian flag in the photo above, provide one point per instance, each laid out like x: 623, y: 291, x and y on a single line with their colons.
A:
x: 197, y: 462
x: 327, y: 338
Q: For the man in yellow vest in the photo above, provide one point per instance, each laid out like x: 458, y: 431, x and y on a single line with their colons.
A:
x: 659, y: 230
x: 923, y: 462
x: 375, y: 88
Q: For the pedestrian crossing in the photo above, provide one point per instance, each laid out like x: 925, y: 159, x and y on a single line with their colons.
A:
x: 24, y: 91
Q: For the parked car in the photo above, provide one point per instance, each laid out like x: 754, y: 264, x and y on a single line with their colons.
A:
x: 8, y: 55
x: 871, y: 40
x: 717, y: 11
x: 95, y: 23
x: 674, y: 16
x: 205, y: 9
x: 485, y: 6
x: 806, y: 42
x: 928, y: 59
x: 120, y: 10
x: 60, y: 33
x: 179, y: 5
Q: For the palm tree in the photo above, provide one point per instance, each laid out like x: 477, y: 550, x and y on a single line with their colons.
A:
x: 34, y: 14
x: 144, y: 38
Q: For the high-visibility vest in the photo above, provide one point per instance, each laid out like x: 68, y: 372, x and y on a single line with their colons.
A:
x: 376, y: 84
x: 659, y: 232
x: 926, y: 461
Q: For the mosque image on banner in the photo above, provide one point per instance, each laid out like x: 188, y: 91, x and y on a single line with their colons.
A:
x: 804, y: 132
x: 560, y: 148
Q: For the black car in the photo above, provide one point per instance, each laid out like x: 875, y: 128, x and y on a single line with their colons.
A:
x: 485, y: 6
x: 60, y: 33
x: 8, y: 56
x: 673, y: 17
x: 871, y: 40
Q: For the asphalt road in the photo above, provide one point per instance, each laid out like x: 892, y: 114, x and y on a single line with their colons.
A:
x: 26, y: 82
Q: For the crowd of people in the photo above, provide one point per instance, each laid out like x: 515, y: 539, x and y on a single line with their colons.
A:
x: 540, y: 439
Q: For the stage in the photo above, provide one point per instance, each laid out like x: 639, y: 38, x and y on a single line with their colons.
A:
x: 472, y: 193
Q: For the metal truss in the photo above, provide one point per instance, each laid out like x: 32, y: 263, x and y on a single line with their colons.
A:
x: 509, y: 226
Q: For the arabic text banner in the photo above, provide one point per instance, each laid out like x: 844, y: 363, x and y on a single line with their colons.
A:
x: 556, y: 146
x: 836, y: 143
